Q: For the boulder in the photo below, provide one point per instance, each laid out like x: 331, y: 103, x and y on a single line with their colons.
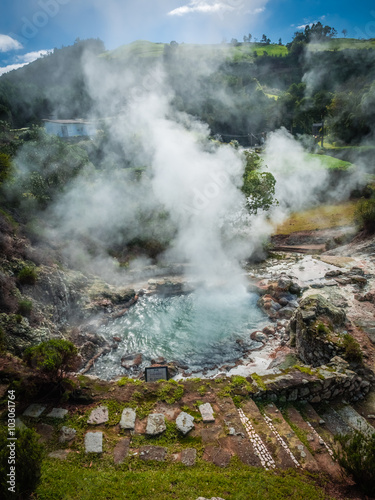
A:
x: 314, y: 327
x: 131, y: 360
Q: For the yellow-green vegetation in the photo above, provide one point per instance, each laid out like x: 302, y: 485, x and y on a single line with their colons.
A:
x: 91, y: 477
x: 330, y: 162
x: 322, y: 217
x: 304, y: 369
x: 139, y: 48
x: 259, y: 381
x: 365, y: 215
x: 238, y: 389
x: 127, y: 380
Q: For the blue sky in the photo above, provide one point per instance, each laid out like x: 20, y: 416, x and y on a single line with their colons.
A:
x: 28, y: 28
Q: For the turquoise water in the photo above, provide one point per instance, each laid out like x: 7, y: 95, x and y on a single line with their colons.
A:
x: 197, y: 330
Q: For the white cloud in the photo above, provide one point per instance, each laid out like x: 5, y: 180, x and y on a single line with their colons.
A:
x: 8, y: 43
x: 220, y: 7
x: 23, y: 60
x: 201, y: 6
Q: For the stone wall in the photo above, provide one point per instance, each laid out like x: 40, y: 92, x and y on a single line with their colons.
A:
x: 316, y: 385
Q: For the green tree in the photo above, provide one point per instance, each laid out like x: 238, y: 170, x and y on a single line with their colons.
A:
x: 258, y: 186
x: 54, y: 358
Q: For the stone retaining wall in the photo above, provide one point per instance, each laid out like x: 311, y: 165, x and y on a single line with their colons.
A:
x: 316, y: 385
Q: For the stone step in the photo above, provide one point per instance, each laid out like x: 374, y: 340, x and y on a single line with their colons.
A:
x: 355, y: 420
x: 322, y: 453
x: 274, y: 446
x: 335, y: 423
x: 301, y: 454
x: 237, y: 441
x: 319, y: 425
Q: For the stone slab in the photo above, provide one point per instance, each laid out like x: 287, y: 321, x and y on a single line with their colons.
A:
x: 128, y: 419
x: 185, y: 422
x: 34, y: 411
x: 20, y: 425
x: 155, y: 424
x: 94, y: 442
x: 121, y: 450
x: 152, y: 453
x: 57, y: 413
x: 59, y: 454
x: 207, y: 412
x: 189, y: 456
x: 98, y: 416
x: 67, y: 434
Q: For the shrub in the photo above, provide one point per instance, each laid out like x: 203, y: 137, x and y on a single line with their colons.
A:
x: 28, y: 460
x: 24, y: 307
x: 352, y: 349
x: 357, y: 456
x: 54, y: 358
x: 365, y: 215
x: 27, y: 276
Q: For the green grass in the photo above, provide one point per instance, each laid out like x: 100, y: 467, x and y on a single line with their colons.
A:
x: 139, y: 48
x: 330, y: 162
x: 92, y: 478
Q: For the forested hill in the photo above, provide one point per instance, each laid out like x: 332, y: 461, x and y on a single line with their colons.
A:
x: 237, y: 88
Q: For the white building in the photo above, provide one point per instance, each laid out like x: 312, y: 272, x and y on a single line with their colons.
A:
x: 70, y: 128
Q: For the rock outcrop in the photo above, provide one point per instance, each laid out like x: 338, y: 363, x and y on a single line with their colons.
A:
x: 315, y: 330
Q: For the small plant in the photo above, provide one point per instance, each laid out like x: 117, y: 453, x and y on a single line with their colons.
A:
x: 304, y: 369
x: 259, y: 381
x: 126, y: 380
x: 170, y: 392
x: 322, y: 329
x: 54, y: 358
x: 27, y: 276
x: 365, y: 215
x: 24, y: 307
x: 28, y: 453
x: 352, y: 349
x: 357, y: 456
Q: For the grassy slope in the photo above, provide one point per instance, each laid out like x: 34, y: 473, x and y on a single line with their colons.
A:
x: 342, y: 44
x: 330, y: 162
x: 143, y: 48
x: 88, y: 477
x: 322, y: 217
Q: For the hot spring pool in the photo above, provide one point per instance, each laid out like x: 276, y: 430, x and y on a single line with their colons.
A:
x: 198, y: 330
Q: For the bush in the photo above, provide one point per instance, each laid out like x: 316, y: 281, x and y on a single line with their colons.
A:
x: 54, y: 358
x: 357, y: 456
x: 24, y: 307
x: 28, y: 460
x: 27, y: 276
x: 365, y: 215
x: 352, y: 349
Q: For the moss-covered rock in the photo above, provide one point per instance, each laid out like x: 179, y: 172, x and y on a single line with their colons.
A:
x: 315, y: 330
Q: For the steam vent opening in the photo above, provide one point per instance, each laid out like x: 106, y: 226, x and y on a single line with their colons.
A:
x: 197, y: 331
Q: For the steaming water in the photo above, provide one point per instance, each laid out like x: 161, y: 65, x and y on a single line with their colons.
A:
x: 197, y: 330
